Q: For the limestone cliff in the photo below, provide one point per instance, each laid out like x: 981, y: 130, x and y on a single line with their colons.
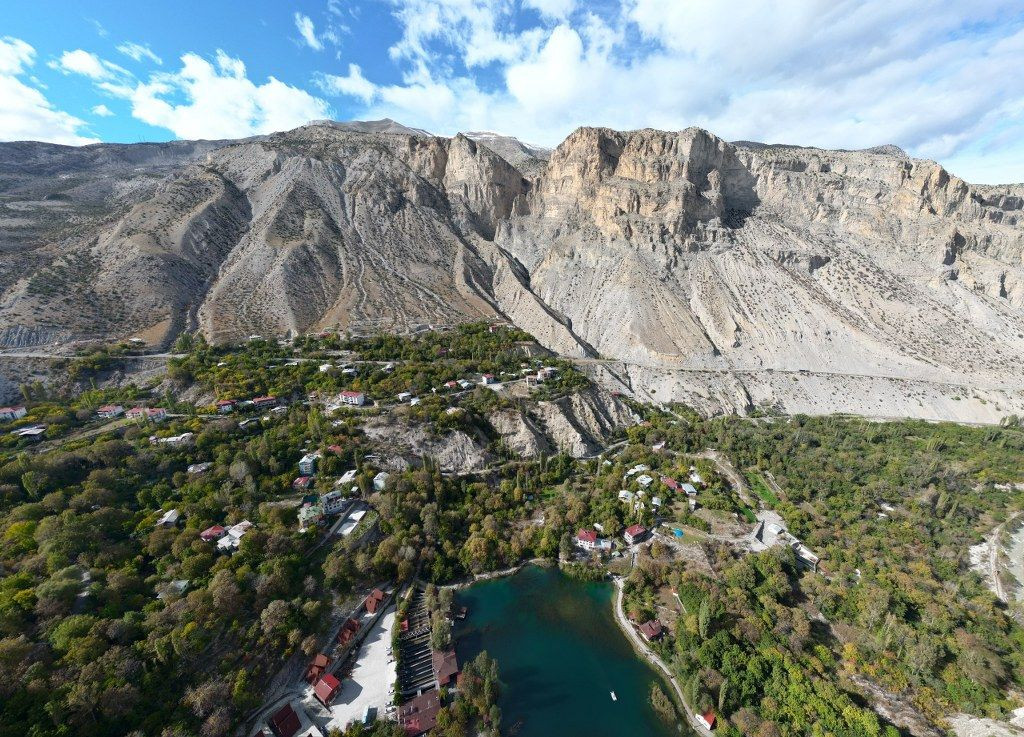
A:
x: 724, y: 274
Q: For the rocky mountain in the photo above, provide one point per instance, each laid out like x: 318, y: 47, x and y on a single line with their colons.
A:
x: 675, y: 264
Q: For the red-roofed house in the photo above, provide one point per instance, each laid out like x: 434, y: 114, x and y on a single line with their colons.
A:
x: 373, y: 600
x: 110, y: 411
x: 348, y: 631
x: 671, y: 483
x: 302, y: 482
x: 635, y: 533
x: 285, y: 722
x: 445, y: 665
x: 210, y: 534
x: 316, y: 668
x: 327, y: 688
x: 224, y: 406
x: 356, y: 399
x: 150, y: 413
x: 419, y: 715
x: 12, y: 413
x: 267, y: 401
x: 651, y: 630
x: 586, y: 539
x: 707, y: 719
x: 336, y: 449
x: 488, y: 379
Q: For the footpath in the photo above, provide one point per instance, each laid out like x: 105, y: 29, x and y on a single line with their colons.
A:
x: 653, y: 659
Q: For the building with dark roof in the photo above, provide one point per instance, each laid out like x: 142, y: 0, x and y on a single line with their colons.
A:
x: 285, y: 722
x: 419, y: 715
x: 445, y: 665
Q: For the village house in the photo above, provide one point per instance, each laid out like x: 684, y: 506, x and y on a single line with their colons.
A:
x: 464, y: 384
x: 670, y: 483
x: 488, y: 379
x: 651, y: 631
x: 307, y: 464
x: 186, y: 438
x: 173, y: 589
x: 373, y: 601
x: 419, y: 715
x: 639, y: 468
x: 325, y: 367
x: 327, y: 688
x: 284, y: 722
x: 309, y: 516
x: 403, y: 396
x: 169, y: 519
x: 261, y: 402
x: 317, y: 666
x: 380, y: 481
x: 13, y: 413
x: 332, y: 502
x: 586, y: 539
x: 626, y: 496
x: 451, y: 384
x: 354, y: 399
x: 348, y: 631
x: 348, y: 477
x: 110, y: 411
x: 302, y: 482
x: 226, y: 406
x: 211, y: 534
x: 34, y: 433
x: 634, y: 534
x: 707, y: 719
x: 233, y: 536
x: 644, y: 480
x: 445, y: 665
x: 155, y: 414
x: 198, y: 468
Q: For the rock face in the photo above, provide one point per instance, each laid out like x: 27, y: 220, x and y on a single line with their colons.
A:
x: 727, y: 275
x: 579, y: 424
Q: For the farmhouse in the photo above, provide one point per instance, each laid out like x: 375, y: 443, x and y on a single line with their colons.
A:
x: 12, y: 413
x: 110, y: 411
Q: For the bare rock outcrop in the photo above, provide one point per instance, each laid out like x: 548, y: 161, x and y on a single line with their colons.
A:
x: 724, y: 274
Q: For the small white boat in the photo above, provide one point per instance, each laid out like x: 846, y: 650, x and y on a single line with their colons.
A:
x: 614, y: 697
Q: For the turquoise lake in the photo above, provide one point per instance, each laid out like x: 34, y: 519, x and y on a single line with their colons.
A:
x: 560, y: 654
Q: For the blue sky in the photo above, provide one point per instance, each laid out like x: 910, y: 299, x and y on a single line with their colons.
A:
x: 940, y: 79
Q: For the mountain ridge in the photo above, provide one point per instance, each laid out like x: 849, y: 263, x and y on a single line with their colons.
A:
x: 681, y: 255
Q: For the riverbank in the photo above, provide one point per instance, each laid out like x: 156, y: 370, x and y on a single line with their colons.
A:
x: 652, y: 657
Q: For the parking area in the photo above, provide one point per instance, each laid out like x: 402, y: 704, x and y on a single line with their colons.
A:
x: 372, y: 679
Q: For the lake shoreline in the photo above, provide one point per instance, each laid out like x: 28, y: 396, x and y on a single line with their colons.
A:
x: 652, y: 657
x: 560, y: 656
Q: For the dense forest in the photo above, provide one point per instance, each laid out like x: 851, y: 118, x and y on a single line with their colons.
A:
x: 113, y: 624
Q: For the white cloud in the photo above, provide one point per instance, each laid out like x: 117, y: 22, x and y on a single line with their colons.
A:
x: 217, y: 100
x: 87, y: 64
x: 929, y: 75
x: 305, y: 26
x: 25, y: 113
x: 558, y: 9
x: 138, y: 52
x: 353, y: 84
x: 102, y: 111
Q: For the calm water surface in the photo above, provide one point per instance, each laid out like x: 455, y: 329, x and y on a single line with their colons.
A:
x: 560, y: 654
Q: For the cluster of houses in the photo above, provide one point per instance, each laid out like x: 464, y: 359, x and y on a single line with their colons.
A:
x: 590, y: 541
x: 227, y: 538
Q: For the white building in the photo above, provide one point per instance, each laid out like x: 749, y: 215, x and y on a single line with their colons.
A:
x: 403, y: 396
x: 332, y: 502
x: 307, y: 464
x: 110, y: 411
x: 380, y: 481
x: 644, y: 480
x: 356, y: 399
x: 12, y: 413
x: 169, y: 519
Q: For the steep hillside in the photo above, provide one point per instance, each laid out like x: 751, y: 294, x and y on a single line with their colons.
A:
x: 678, y: 265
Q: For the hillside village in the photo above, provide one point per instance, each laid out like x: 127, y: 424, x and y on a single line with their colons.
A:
x: 271, y: 531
